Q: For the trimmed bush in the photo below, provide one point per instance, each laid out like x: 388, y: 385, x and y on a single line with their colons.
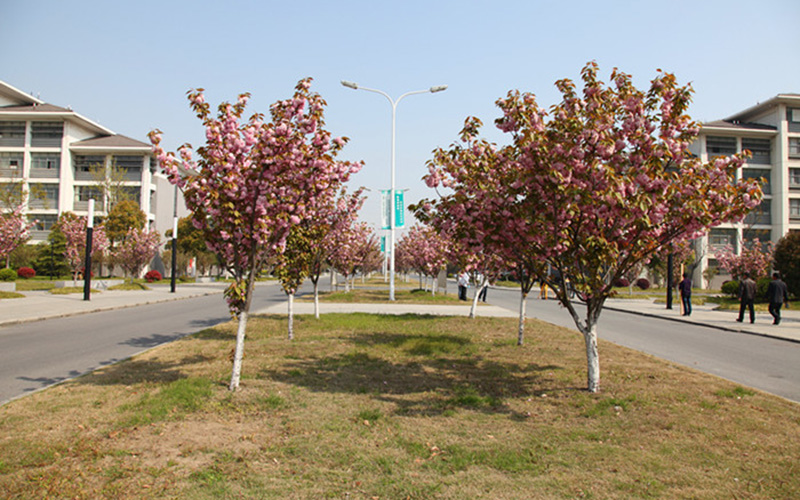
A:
x: 26, y: 272
x: 152, y: 276
x: 643, y: 283
x: 8, y: 274
x: 622, y: 282
x: 731, y: 288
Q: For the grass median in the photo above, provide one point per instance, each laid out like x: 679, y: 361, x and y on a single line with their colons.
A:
x: 366, y: 406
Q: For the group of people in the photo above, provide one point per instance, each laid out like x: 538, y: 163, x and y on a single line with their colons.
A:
x: 777, y: 295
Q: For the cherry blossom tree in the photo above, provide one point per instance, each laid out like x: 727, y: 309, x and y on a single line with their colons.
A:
x: 348, y: 243
x: 137, y: 249
x: 754, y: 259
x: 598, y: 184
x: 14, y: 231
x: 424, y: 250
x: 74, y: 229
x: 253, y: 182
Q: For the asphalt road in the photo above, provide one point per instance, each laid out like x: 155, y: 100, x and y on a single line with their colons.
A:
x: 763, y: 363
x: 42, y: 353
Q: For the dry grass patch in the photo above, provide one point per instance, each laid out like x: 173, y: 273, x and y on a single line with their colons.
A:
x: 378, y: 295
x: 370, y: 406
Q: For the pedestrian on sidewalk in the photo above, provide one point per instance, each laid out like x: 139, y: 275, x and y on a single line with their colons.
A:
x: 777, y: 295
x: 747, y: 295
x: 463, y: 284
x: 685, y: 287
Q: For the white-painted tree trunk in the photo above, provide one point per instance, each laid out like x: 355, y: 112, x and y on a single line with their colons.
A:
x: 592, y: 359
x: 478, y: 291
x: 291, y: 316
x: 521, y: 331
x: 238, y: 352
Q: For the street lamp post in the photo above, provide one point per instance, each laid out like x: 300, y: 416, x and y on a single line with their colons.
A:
x: 394, y: 103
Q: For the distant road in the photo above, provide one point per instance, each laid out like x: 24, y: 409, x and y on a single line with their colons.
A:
x: 763, y: 363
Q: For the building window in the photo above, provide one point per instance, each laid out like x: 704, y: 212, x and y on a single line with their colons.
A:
x: 12, y: 134
x: 11, y: 164
x: 44, y: 196
x: 720, y: 146
x: 760, y: 150
x: 721, y: 238
x: 43, y: 222
x: 794, y: 208
x: 762, y: 175
x: 794, y: 147
x: 761, y: 214
x: 794, y: 177
x: 131, y: 166
x: 86, y: 166
x: 762, y: 235
x: 45, y: 165
x: 793, y: 117
x: 47, y: 134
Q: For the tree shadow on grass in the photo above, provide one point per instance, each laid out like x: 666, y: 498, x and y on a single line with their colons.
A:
x: 440, y: 378
x: 135, y: 371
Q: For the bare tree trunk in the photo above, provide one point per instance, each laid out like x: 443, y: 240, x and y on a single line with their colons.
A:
x: 478, y: 291
x: 521, y: 331
x: 291, y: 315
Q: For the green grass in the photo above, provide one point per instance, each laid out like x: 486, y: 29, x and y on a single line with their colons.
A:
x: 368, y: 406
x: 135, y: 286
x: 69, y: 290
x: 381, y: 295
x: 10, y: 295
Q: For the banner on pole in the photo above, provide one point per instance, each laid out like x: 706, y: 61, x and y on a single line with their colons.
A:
x: 399, y: 210
x: 386, y: 209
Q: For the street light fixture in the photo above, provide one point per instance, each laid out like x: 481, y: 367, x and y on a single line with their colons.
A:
x: 394, y: 103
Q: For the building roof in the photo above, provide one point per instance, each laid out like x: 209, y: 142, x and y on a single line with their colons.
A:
x: 17, y: 95
x: 739, y: 126
x: 35, y: 108
x: 110, y: 142
x: 790, y: 98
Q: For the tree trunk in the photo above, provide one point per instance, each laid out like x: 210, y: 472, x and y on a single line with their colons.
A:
x: 291, y: 315
x: 478, y: 291
x: 433, y: 286
x: 316, y: 300
x: 520, y: 332
x: 238, y: 352
x: 592, y: 358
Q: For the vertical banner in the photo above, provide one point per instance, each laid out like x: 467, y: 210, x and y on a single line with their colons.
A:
x: 399, y: 210
x: 383, y: 244
x: 386, y: 209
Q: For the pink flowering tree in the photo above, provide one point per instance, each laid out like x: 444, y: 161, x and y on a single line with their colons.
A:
x: 74, y: 229
x: 348, y: 243
x: 476, y: 209
x: 136, y: 250
x: 755, y: 259
x: 14, y: 231
x: 253, y: 182
x: 600, y: 183
x: 425, y: 250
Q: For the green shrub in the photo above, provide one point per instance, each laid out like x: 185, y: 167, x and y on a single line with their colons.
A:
x: 8, y: 274
x: 731, y: 288
x: 761, y: 287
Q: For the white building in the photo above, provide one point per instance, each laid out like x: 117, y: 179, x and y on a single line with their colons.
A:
x: 53, y: 150
x: 771, y: 131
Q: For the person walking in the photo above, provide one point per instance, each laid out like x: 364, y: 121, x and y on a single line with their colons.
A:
x: 747, y: 295
x: 777, y: 295
x: 463, y: 283
x: 685, y: 287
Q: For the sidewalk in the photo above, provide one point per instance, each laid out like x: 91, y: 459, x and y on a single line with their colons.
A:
x: 704, y: 315
x: 44, y: 305
x: 41, y: 305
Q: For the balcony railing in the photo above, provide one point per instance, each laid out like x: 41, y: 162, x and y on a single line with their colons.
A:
x: 44, y: 173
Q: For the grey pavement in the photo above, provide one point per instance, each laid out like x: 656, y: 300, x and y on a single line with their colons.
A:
x: 44, y: 305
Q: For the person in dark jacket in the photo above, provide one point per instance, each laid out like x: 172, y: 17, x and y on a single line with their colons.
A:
x: 777, y: 295
x: 747, y: 295
x: 685, y: 287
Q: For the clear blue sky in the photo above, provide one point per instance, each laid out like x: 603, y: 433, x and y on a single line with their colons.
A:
x: 127, y: 65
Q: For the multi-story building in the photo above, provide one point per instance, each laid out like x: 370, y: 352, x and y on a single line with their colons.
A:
x: 61, y: 157
x: 771, y: 132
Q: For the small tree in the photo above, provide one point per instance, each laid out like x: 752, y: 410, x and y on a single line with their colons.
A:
x: 137, y: 249
x: 74, y: 229
x: 346, y: 258
x: 122, y: 217
x: 597, y: 185
x: 14, y: 231
x: 787, y: 261
x: 754, y: 259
